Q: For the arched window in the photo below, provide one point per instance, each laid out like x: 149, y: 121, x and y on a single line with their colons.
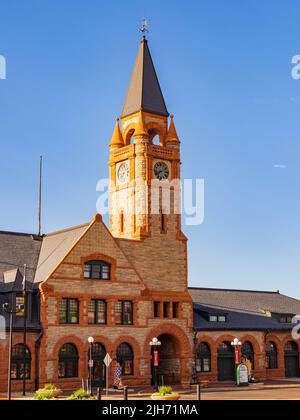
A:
x: 154, y: 137
x: 97, y: 270
x: 130, y: 137
x: 271, y: 355
x: 125, y: 357
x: 248, y: 352
x: 203, y: 358
x: 17, y: 365
x: 68, y: 362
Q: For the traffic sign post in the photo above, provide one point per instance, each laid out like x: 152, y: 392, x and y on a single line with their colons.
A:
x: 107, y: 362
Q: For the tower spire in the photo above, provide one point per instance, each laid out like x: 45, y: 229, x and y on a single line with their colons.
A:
x: 144, y: 93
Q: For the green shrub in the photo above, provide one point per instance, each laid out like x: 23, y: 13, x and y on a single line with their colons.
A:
x: 50, y: 387
x: 81, y: 394
x: 50, y: 392
x: 165, y: 390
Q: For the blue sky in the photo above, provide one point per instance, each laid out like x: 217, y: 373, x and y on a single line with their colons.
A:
x: 225, y: 69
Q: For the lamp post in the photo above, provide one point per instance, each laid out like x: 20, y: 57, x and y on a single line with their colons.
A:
x: 236, y: 344
x: 155, y: 345
x: 91, y: 363
x: 11, y: 314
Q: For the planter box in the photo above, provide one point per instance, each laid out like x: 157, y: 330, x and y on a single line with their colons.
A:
x: 171, y: 397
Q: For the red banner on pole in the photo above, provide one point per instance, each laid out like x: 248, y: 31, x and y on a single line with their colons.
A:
x: 156, y: 358
x: 237, y: 357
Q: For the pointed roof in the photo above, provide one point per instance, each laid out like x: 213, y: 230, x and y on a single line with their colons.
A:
x: 117, y: 139
x: 144, y: 90
x: 172, y: 136
x: 140, y: 127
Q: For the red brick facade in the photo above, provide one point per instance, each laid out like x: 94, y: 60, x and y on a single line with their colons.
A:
x: 258, y: 341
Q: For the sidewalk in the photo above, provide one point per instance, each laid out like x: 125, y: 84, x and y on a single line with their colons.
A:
x: 144, y: 393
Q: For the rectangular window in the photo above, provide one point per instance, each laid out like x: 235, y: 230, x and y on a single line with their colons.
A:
x: 156, y: 309
x: 166, y: 310
x: 97, y: 270
x: 97, y: 312
x: 175, y: 309
x: 118, y: 313
x: 20, y: 302
x: 128, y: 313
x: 69, y: 311
x: 217, y: 318
x: 222, y: 318
x: 124, y: 313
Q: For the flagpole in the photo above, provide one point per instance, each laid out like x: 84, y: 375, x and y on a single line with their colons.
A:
x: 40, y: 196
x: 25, y: 331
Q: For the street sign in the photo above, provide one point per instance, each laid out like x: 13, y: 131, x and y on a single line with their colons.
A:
x: 91, y: 363
x: 107, y: 360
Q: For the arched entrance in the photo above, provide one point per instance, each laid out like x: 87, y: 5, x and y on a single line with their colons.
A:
x: 170, y: 365
x: 226, y: 366
x: 291, y: 360
x: 99, y: 369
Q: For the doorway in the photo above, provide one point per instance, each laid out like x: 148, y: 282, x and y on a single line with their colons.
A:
x: 226, y: 365
x: 99, y: 368
x: 170, y: 365
x: 291, y: 360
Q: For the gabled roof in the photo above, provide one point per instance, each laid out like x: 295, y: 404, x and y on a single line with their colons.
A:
x: 144, y: 92
x: 17, y: 249
x: 54, y: 249
x: 251, y: 302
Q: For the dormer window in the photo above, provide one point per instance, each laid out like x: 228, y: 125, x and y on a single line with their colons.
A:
x: 218, y: 318
x: 97, y: 270
x: 283, y: 318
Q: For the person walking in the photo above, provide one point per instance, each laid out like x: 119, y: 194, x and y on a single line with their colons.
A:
x: 118, y: 376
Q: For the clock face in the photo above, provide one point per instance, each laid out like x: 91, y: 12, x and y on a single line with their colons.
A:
x: 123, y: 173
x: 161, y: 171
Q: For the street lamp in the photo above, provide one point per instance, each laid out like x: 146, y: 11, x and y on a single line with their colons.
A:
x: 236, y: 344
x: 155, y: 345
x: 91, y: 363
x: 11, y: 314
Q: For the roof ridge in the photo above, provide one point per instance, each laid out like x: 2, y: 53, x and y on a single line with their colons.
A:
x: 236, y: 290
x: 58, y: 232
x: 4, y: 232
x: 228, y: 309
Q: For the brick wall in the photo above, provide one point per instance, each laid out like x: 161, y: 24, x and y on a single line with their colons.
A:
x: 258, y: 341
x: 127, y: 284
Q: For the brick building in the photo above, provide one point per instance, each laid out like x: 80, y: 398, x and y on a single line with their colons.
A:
x: 129, y: 283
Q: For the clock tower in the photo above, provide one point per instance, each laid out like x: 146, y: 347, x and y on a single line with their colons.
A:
x: 144, y: 160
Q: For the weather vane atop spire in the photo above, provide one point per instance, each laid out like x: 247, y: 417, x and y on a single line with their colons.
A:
x: 144, y: 29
